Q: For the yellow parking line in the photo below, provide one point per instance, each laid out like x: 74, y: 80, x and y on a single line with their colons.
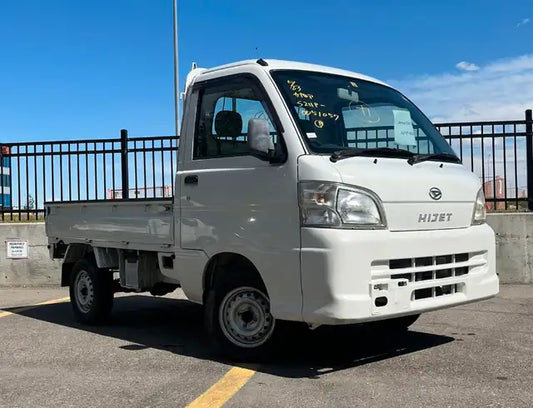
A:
x: 24, y: 308
x: 223, y: 389
x: 214, y: 397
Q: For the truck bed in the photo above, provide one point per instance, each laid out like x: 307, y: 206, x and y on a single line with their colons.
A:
x: 133, y: 224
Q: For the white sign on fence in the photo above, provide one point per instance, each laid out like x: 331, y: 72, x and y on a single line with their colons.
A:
x: 17, y: 248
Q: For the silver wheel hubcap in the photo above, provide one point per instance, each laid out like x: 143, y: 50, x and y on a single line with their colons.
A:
x: 84, y: 291
x: 245, y: 318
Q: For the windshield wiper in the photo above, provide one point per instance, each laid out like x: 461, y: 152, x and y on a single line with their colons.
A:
x: 446, y: 157
x: 377, y: 152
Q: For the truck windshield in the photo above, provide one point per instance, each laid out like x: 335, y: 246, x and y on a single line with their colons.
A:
x: 337, y: 113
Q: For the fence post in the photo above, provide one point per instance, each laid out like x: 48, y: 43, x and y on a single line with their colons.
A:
x: 124, y: 163
x: 2, y: 181
x: 529, y: 158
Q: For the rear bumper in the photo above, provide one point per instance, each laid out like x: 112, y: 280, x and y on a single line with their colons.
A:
x: 347, y: 276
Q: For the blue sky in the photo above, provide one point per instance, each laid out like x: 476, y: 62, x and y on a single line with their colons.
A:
x: 85, y: 69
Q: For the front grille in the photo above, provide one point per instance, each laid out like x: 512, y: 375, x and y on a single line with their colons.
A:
x: 425, y: 277
x: 435, y: 291
x: 429, y: 267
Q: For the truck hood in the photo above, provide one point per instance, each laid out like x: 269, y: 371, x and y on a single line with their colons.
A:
x: 404, y: 189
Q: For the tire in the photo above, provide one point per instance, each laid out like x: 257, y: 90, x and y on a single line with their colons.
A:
x: 91, y: 292
x: 396, y: 325
x: 237, y: 318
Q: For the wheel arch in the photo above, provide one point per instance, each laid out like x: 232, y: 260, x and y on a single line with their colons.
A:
x: 74, y: 253
x: 230, y: 263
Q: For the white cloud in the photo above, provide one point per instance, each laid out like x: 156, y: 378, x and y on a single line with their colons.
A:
x: 524, y: 21
x: 466, y: 66
x: 501, y: 90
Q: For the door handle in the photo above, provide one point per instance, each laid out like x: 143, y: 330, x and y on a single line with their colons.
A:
x: 193, y: 179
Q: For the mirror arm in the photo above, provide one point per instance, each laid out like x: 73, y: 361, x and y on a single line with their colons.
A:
x: 279, y: 154
x: 259, y: 155
x: 274, y: 157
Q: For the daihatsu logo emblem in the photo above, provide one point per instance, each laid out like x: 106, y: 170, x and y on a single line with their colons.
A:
x: 435, y: 193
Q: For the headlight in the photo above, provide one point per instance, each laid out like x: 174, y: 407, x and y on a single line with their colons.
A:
x: 480, y: 213
x: 356, y: 207
x: 325, y: 204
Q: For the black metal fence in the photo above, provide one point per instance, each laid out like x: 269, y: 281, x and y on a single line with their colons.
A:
x: 499, y: 152
x: 83, y: 170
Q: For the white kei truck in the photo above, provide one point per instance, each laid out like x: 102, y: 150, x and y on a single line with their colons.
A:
x: 303, y: 193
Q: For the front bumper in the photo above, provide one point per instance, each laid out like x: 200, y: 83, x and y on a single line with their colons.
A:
x: 351, y: 276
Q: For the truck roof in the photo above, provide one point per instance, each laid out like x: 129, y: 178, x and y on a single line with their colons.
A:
x: 300, y: 66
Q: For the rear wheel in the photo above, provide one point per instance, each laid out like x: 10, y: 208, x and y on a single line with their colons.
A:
x: 238, y: 319
x: 91, y: 292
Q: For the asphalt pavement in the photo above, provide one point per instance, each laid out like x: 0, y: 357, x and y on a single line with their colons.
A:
x: 153, y: 353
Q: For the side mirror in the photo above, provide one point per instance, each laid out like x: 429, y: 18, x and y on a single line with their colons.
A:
x: 259, y: 139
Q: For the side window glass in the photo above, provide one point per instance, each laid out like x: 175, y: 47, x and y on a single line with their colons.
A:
x: 224, y: 112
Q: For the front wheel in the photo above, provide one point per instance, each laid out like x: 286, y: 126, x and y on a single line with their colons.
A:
x: 91, y: 292
x: 238, y: 319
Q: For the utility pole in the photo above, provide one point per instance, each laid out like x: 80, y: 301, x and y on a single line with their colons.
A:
x: 176, y: 71
x: 529, y: 158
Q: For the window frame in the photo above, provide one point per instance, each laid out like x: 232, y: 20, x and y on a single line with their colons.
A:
x: 229, y: 80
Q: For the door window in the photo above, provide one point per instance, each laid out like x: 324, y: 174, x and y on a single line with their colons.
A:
x: 224, y: 112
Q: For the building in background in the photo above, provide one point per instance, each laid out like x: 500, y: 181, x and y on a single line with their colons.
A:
x: 496, y: 185
x: 141, y: 192
x: 5, y: 178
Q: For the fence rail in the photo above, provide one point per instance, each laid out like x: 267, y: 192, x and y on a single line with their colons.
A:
x: 82, y: 170
x: 499, y: 152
